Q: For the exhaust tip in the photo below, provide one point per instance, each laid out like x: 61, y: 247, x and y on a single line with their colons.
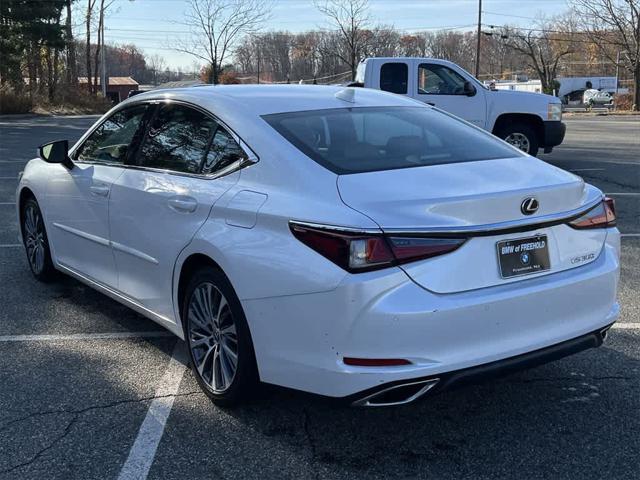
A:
x: 397, y: 394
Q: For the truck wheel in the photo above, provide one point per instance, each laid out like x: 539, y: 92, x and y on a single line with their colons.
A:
x: 521, y: 136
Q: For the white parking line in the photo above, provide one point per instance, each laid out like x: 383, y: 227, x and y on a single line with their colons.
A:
x: 7, y: 203
x: 11, y: 245
x: 83, y: 336
x: 624, y: 193
x: 144, y: 448
x: 587, y: 169
x: 8, y: 178
x: 630, y: 235
x: 606, y: 162
x: 626, y: 326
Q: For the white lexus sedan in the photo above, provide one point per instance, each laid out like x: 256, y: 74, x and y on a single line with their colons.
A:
x: 346, y: 242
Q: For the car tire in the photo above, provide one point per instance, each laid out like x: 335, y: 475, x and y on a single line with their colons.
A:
x: 218, y: 339
x: 520, y: 135
x: 36, y: 242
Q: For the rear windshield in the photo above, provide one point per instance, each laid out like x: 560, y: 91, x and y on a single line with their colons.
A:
x: 366, y: 139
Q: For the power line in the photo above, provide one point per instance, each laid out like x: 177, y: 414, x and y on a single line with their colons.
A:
x: 508, y: 15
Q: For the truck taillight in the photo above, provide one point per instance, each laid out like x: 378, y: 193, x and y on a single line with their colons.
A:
x: 364, y: 252
x: 602, y: 216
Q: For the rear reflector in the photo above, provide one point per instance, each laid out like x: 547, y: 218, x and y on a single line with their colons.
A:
x: 376, y: 362
x: 602, y: 216
x: 362, y: 251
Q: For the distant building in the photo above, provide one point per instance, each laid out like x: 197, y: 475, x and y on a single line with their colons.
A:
x: 570, y: 91
x: 118, y: 88
x: 568, y: 85
x: 534, y: 86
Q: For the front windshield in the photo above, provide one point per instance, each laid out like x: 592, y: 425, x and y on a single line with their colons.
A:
x: 365, y: 139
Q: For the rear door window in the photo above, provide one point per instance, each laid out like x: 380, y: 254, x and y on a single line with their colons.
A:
x: 177, y: 139
x: 394, y: 77
x: 224, y: 151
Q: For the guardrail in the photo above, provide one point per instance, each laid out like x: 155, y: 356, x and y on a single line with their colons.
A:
x: 597, y: 110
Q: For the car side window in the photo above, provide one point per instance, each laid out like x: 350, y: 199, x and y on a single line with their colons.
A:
x: 177, y: 139
x: 111, y: 141
x: 394, y: 77
x: 434, y: 79
x: 223, y: 152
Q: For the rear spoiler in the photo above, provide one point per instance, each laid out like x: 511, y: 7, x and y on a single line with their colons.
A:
x: 514, y: 226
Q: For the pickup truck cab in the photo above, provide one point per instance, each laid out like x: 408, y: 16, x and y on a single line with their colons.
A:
x: 529, y: 121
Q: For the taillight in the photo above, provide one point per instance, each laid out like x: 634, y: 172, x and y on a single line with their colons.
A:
x: 363, y: 252
x: 602, y: 216
x: 410, y: 249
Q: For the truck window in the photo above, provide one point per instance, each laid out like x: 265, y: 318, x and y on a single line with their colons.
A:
x: 394, y: 77
x: 434, y: 79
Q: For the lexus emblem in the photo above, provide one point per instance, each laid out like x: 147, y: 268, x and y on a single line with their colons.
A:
x: 529, y: 206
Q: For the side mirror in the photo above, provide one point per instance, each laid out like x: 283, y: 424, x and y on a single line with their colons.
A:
x: 469, y: 89
x: 56, y: 152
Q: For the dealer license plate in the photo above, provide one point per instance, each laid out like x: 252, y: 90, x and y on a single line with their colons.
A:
x: 523, y: 256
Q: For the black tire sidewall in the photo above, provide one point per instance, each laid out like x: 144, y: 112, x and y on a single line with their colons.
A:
x: 48, y: 271
x: 246, y: 377
x: 525, y: 130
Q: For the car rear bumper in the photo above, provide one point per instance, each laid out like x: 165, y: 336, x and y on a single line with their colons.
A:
x: 554, y: 132
x: 301, y: 340
x: 449, y: 380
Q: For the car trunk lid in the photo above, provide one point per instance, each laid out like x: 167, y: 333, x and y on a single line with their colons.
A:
x: 476, y: 198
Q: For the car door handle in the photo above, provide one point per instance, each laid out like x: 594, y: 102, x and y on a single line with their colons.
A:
x: 183, y: 204
x: 431, y: 103
x: 101, y: 190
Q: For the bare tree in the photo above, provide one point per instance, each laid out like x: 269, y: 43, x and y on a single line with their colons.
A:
x: 157, y: 64
x: 543, y: 47
x: 99, y: 45
x: 88, y: 21
x: 350, y: 17
x: 72, y: 66
x: 614, y: 26
x: 215, y: 27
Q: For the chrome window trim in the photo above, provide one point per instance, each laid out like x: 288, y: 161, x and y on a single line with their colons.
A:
x: 229, y: 169
x: 252, y: 157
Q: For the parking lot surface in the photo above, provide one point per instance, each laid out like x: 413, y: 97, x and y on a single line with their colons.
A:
x: 90, y: 389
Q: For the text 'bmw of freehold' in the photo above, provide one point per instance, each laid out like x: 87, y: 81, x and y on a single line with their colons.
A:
x: 346, y: 242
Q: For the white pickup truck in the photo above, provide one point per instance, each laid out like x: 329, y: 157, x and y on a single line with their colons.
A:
x: 530, y: 121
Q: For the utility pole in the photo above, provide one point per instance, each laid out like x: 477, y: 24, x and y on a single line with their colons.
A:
x: 258, y: 64
x: 103, y: 57
x: 617, y: 70
x: 479, y: 35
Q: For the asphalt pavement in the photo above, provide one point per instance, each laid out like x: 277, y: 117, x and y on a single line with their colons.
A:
x: 90, y: 389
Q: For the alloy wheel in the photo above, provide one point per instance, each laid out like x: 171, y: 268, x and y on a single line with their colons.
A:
x: 213, y: 338
x: 519, y: 140
x: 34, y: 238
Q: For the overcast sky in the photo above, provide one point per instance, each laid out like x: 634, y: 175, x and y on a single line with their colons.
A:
x: 150, y: 24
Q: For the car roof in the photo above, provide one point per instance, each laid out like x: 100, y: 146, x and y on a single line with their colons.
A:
x: 259, y: 100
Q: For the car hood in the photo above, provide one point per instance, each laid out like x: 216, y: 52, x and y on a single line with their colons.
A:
x: 514, y: 95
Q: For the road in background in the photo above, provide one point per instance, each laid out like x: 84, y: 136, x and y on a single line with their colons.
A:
x: 72, y: 407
